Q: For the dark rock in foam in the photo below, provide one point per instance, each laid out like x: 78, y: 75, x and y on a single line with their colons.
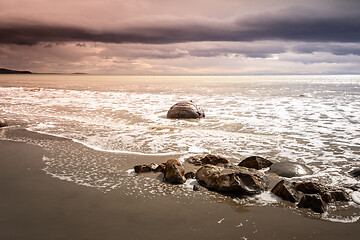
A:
x: 255, y: 162
x: 208, y: 159
x: 186, y: 110
x: 355, y: 173
x: 328, y: 194
x: 290, y: 169
x: 309, y: 194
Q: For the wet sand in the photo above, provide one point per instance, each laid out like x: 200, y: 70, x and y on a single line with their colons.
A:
x: 34, y: 205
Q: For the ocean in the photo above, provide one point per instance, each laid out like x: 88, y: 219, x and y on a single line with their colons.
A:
x: 309, y: 119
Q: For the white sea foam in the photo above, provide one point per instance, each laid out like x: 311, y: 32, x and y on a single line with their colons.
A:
x: 131, y: 171
x: 268, y: 197
x: 244, y: 116
x: 340, y: 219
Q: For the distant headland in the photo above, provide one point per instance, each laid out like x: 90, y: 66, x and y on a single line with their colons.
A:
x: 8, y: 71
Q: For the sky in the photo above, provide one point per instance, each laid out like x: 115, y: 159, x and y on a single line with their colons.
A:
x: 167, y: 37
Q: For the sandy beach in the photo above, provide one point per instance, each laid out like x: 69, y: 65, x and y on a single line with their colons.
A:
x: 179, y: 120
x: 35, y: 205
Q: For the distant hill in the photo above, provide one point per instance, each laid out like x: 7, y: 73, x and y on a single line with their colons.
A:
x: 8, y: 71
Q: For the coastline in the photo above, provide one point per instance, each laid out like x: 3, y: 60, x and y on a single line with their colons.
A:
x: 35, y: 205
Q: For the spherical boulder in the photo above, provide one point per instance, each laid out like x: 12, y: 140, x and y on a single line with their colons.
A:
x: 3, y: 122
x: 290, y: 169
x: 185, y: 110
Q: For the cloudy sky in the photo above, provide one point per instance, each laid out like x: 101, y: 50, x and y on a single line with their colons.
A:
x: 181, y: 36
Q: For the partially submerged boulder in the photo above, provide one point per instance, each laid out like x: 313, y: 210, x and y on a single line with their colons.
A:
x: 3, y: 122
x: 174, y: 172
x: 290, y: 169
x: 232, y: 179
x: 208, y: 159
x: 355, y: 173
x: 185, y: 109
x: 255, y: 162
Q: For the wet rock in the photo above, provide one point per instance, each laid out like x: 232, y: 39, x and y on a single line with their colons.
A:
x: 213, y: 160
x: 185, y: 109
x: 339, y: 195
x: 314, y: 188
x: 255, y: 162
x: 145, y: 168
x: 3, y: 122
x: 286, y: 191
x: 174, y: 172
x: 208, y: 159
x: 312, y: 201
x: 355, y: 173
x: 308, y: 187
x: 190, y: 175
x: 195, y: 160
x: 233, y: 180
x: 312, y: 195
x: 327, y: 194
x: 290, y: 169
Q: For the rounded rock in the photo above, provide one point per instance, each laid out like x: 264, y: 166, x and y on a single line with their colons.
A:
x: 185, y: 110
x: 255, y: 162
x: 232, y: 179
x: 290, y: 169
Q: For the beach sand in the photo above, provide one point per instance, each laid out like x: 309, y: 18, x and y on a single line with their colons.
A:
x: 35, y: 205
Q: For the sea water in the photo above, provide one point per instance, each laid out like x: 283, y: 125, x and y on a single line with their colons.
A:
x: 312, y: 120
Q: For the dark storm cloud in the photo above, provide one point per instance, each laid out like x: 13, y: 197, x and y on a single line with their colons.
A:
x: 281, y: 26
x: 335, y: 49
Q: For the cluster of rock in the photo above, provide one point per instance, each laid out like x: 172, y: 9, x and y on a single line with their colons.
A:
x: 218, y: 174
x: 309, y: 195
x: 3, y: 122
